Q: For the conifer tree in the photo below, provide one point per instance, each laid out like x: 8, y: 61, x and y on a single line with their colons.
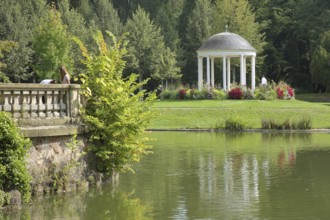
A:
x: 199, y: 29
x: 18, y: 19
x: 145, y: 47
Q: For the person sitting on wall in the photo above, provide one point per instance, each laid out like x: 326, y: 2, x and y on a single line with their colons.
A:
x: 48, y: 81
x: 65, y: 77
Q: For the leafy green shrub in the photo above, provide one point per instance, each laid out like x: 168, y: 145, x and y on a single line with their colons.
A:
x: 168, y: 94
x: 219, y: 94
x: 117, y: 112
x: 248, y: 94
x: 235, y: 123
x: 265, y: 93
x: 13, y: 150
x: 4, y: 198
x: 199, y: 95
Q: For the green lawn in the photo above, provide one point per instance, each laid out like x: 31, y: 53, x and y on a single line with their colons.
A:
x: 211, y: 113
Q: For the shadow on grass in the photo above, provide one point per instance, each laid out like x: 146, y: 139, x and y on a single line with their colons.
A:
x: 314, y: 97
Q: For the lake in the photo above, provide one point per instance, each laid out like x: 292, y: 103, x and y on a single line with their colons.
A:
x: 208, y: 176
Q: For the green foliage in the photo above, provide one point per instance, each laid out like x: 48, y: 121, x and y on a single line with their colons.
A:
x: 194, y: 94
x: 169, y: 94
x: 266, y: 92
x: 197, y: 30
x: 52, y: 46
x: 117, y: 112
x: 5, y: 47
x: 146, y: 46
x: 292, y: 123
x: 4, y: 198
x: 235, y: 123
x: 169, y: 70
x: 14, y: 147
x: 18, y: 19
x: 320, y: 66
x: 248, y: 93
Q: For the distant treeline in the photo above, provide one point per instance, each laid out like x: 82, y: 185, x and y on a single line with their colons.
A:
x: 291, y: 37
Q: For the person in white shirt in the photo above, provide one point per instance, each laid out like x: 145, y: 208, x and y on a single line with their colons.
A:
x: 263, y: 81
x: 48, y: 81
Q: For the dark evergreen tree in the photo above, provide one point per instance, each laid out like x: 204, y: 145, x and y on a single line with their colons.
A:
x: 145, y: 47
x: 199, y: 29
x: 320, y: 65
x: 18, y: 19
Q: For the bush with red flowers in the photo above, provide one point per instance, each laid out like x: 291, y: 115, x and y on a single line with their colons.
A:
x: 284, y: 91
x: 235, y: 93
x: 182, y: 94
x: 280, y: 93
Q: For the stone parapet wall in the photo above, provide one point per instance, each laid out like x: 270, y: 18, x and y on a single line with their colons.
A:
x: 28, y: 101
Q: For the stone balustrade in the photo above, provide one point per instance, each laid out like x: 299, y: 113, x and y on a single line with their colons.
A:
x: 36, y: 101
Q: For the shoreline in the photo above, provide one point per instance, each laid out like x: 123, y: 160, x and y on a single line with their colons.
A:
x: 255, y: 130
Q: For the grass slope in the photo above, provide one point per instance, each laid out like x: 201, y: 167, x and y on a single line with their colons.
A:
x: 212, y: 113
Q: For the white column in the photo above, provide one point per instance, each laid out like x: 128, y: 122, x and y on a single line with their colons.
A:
x: 244, y: 75
x: 253, y: 72
x: 228, y: 73
x: 224, y: 72
x: 200, y: 73
x: 208, y: 71
x: 242, y: 69
x: 212, y: 72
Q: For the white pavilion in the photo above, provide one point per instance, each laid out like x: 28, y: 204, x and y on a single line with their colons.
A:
x: 225, y: 45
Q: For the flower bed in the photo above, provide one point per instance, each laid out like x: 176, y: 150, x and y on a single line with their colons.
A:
x: 266, y: 92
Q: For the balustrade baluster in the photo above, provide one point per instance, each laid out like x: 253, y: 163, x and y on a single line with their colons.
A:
x: 41, y: 104
x: 49, y: 104
x: 56, y: 104
x: 34, y: 104
x: 25, y: 111
x: 16, y: 110
x: 63, y: 106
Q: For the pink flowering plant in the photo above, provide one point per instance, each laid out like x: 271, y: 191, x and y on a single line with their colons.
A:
x: 284, y: 91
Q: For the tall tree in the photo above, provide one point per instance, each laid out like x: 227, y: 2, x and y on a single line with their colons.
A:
x: 146, y: 45
x: 320, y: 65
x: 17, y: 22
x: 167, y: 17
x: 107, y: 17
x: 238, y: 16
x: 169, y: 70
x: 5, y: 47
x: 199, y: 29
x: 52, y: 45
x: 76, y: 26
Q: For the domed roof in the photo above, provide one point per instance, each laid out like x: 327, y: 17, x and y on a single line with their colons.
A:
x: 226, y: 41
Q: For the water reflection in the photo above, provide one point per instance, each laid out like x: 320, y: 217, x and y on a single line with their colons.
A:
x: 210, y: 176
x: 101, y: 203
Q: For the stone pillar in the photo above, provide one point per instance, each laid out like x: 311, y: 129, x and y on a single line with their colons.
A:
x: 74, y: 98
x: 212, y: 72
x: 228, y: 73
x: 208, y: 71
x: 224, y: 72
x: 242, y: 69
x: 253, y: 72
x: 200, y: 73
